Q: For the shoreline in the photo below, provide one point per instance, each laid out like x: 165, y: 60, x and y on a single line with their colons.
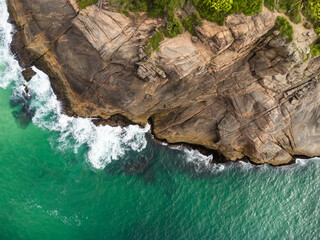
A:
x: 118, y: 119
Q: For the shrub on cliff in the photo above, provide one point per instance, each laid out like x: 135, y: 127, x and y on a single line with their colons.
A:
x: 311, y: 10
x: 219, y: 5
x: 218, y: 10
x: 191, y: 21
x: 270, y: 4
x: 315, y: 48
x: 155, y: 8
x: 248, y: 7
x: 173, y: 28
x: 209, y: 13
x: 285, y: 28
x: 154, y: 42
x: 292, y: 8
x: 315, y: 7
x: 86, y: 3
x: 132, y: 5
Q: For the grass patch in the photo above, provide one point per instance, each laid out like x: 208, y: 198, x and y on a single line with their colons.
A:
x: 154, y: 42
x: 131, y: 5
x: 172, y: 29
x: 86, y: 3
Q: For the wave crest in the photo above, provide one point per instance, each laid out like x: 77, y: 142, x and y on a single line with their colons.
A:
x: 105, y: 143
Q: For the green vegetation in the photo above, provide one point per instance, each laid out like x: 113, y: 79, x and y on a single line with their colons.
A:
x: 124, y: 12
x: 292, y: 8
x: 307, y: 25
x: 131, y: 5
x: 210, y: 14
x: 295, y: 14
x: 270, y: 4
x: 217, y: 11
x: 154, y: 42
x: 285, y: 29
x: 86, y: 3
x: 154, y: 8
x: 191, y: 21
x: 219, y: 5
x: 311, y: 10
x: 173, y: 28
x: 315, y: 48
x: 248, y: 7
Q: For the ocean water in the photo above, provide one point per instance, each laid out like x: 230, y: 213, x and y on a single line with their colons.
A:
x: 64, y: 178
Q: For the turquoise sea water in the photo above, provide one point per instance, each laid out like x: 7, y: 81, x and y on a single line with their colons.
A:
x: 64, y: 178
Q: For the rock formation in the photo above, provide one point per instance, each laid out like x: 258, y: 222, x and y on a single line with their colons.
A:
x: 237, y: 88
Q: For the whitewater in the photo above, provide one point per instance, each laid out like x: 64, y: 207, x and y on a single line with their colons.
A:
x: 105, y: 143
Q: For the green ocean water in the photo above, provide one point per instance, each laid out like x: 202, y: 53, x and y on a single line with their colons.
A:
x: 63, y: 178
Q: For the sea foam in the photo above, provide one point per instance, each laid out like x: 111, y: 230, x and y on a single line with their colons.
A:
x: 9, y: 67
x: 202, y: 162
x: 104, y: 143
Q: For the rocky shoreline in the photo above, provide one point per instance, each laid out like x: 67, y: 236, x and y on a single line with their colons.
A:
x: 238, y: 89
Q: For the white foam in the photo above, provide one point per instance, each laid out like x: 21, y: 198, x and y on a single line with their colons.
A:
x: 303, y: 162
x: 105, y: 143
x: 246, y: 165
x: 202, y: 162
x: 9, y: 67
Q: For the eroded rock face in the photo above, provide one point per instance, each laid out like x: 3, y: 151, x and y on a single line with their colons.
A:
x: 236, y: 88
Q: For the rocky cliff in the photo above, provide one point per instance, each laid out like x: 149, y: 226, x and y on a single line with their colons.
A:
x: 238, y: 88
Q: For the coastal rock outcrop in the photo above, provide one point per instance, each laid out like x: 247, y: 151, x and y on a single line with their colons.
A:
x: 237, y: 88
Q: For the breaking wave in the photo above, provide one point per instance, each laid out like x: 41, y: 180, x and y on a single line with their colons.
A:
x: 9, y: 67
x: 104, y: 143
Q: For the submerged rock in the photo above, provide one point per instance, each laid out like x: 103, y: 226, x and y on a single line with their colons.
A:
x: 24, y: 116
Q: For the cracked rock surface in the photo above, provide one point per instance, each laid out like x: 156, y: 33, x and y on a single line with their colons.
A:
x: 237, y: 88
